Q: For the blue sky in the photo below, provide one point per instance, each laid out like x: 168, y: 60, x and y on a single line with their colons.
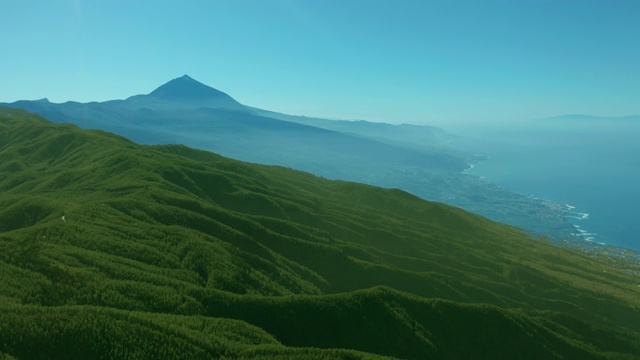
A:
x: 424, y: 62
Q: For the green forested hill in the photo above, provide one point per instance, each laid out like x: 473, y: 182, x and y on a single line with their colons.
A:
x: 109, y: 249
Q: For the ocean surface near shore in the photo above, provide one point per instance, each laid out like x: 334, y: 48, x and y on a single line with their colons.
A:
x: 595, y: 173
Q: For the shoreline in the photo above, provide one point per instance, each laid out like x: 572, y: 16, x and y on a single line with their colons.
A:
x: 567, y: 211
x: 581, y: 238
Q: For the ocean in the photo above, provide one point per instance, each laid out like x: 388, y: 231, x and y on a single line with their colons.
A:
x: 593, y: 169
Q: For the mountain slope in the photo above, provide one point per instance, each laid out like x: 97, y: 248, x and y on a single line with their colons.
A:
x: 189, y: 112
x: 93, y: 226
x: 419, y: 137
x: 417, y: 159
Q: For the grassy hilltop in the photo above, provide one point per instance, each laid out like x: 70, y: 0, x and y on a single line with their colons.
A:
x: 109, y: 249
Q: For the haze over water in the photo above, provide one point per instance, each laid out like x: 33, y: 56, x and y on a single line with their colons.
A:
x: 591, y: 166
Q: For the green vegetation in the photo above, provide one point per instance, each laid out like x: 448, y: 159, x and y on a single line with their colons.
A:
x: 109, y: 249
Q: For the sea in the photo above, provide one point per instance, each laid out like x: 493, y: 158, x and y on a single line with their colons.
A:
x: 593, y: 169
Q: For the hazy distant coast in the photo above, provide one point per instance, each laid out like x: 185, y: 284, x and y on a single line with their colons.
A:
x: 581, y: 162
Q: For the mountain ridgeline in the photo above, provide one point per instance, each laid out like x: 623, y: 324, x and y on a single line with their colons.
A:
x: 110, y: 249
x: 418, y: 159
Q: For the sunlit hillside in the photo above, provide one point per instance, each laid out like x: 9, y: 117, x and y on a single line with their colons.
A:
x: 110, y: 249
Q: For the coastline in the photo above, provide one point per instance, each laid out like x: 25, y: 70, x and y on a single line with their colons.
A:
x: 577, y: 236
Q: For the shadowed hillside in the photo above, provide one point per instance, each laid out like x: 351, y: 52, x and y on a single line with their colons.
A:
x: 112, y: 249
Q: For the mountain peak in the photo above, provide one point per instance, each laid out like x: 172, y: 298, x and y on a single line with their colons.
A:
x: 186, y: 92
x: 186, y: 88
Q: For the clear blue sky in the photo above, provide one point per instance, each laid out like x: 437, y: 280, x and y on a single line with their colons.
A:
x: 429, y: 62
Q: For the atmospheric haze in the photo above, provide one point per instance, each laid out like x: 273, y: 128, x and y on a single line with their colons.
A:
x: 420, y: 62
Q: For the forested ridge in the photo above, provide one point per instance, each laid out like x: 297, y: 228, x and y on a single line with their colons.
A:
x: 110, y: 249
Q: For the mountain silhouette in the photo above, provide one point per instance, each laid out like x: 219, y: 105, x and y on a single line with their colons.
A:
x: 185, y: 92
x: 186, y: 88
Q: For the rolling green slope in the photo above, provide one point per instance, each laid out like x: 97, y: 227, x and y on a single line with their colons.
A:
x: 111, y: 249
